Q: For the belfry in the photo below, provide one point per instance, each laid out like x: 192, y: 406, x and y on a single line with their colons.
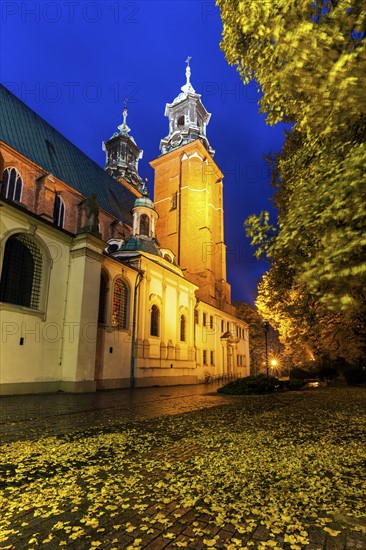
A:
x: 123, y: 155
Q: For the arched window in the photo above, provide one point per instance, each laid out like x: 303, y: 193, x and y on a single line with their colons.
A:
x: 155, y: 321
x: 103, y: 289
x: 12, y: 184
x: 21, y: 275
x: 59, y: 211
x: 182, y: 328
x: 144, y: 225
x: 181, y: 122
x: 120, y: 304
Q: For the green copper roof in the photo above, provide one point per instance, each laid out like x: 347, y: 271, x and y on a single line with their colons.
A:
x: 144, y: 201
x: 135, y: 244
x: 28, y: 133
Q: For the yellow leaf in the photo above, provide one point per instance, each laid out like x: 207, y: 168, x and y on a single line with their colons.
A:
x: 332, y: 532
x: 169, y: 535
x: 209, y: 542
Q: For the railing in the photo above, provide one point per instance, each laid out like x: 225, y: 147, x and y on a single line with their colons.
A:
x: 219, y: 378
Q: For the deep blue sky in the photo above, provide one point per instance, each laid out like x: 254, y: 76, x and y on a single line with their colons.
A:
x: 74, y: 61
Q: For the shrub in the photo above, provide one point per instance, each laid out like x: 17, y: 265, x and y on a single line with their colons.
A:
x: 295, y: 384
x: 250, y: 385
x: 355, y: 376
x: 328, y: 373
x: 297, y: 373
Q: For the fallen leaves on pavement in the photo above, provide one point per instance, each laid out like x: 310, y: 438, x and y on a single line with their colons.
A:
x: 284, y: 462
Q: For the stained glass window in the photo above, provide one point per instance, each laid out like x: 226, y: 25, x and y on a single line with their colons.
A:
x: 120, y: 305
x: 59, y: 211
x: 21, y: 275
x: 155, y: 321
x: 182, y: 328
x: 12, y: 184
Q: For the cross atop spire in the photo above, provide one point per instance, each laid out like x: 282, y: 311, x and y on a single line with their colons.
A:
x: 188, y: 86
x: 123, y: 128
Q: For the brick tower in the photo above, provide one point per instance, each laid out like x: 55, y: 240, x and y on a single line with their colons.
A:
x: 188, y: 198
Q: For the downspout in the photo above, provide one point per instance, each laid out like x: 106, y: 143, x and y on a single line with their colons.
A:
x: 71, y: 334
x: 194, y: 330
x: 139, y: 278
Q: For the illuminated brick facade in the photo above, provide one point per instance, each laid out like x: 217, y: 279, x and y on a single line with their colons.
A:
x: 100, y: 304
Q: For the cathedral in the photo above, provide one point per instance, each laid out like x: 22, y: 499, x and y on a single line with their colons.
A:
x: 101, y: 286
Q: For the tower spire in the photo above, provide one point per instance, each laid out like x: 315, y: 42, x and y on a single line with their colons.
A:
x: 188, y: 86
x: 123, y: 128
x: 188, y: 118
x: 122, y: 154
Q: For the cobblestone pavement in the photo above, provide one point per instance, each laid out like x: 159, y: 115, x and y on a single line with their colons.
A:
x: 33, y: 416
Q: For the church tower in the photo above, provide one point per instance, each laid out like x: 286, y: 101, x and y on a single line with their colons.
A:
x: 188, y: 198
x: 122, y: 156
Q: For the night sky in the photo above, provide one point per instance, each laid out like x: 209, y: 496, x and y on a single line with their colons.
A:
x: 74, y: 62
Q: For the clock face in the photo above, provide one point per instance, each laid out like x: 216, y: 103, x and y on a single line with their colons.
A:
x: 176, y: 139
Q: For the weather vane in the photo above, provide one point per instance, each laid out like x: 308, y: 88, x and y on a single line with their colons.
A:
x: 188, y: 60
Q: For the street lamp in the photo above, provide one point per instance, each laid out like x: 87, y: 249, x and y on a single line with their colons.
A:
x: 274, y: 364
x: 265, y: 327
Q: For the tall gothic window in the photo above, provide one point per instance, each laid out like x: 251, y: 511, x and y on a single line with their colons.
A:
x: 59, y: 211
x: 12, y: 184
x: 155, y: 321
x: 120, y: 304
x: 182, y: 328
x: 21, y: 275
x: 102, y: 318
x: 144, y: 225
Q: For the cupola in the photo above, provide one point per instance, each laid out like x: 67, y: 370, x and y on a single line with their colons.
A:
x: 144, y: 217
x: 123, y: 155
x: 188, y: 118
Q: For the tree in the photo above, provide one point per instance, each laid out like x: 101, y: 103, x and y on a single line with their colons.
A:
x: 308, y: 329
x: 253, y: 317
x: 309, y: 62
